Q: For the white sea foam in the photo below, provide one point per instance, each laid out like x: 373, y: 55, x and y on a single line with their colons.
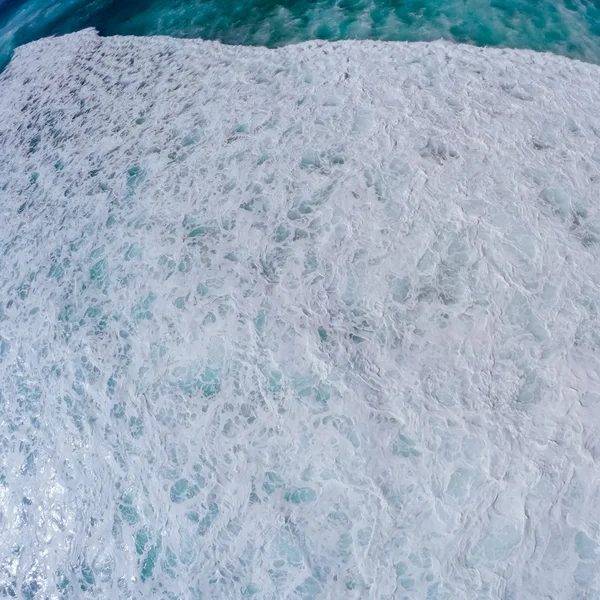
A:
x: 315, y: 322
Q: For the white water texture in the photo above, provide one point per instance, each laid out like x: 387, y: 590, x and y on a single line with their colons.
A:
x: 315, y: 322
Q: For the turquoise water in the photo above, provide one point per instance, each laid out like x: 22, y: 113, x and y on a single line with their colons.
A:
x: 567, y: 27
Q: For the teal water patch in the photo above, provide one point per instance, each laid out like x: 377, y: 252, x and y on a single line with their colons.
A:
x: 569, y: 28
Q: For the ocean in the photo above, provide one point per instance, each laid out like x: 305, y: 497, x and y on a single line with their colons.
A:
x: 311, y: 321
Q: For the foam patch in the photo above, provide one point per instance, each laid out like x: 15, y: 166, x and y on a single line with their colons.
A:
x: 315, y: 322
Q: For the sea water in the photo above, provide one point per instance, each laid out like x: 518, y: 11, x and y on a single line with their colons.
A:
x: 314, y: 322
x: 569, y: 27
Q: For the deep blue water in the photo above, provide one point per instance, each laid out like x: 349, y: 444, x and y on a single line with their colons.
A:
x: 568, y: 27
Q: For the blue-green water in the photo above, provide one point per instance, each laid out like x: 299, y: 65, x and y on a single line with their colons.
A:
x: 569, y: 27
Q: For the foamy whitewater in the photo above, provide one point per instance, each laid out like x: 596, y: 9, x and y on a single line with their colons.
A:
x: 315, y: 322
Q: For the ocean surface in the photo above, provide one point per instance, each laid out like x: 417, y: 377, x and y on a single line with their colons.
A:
x: 569, y: 27
x: 309, y: 323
